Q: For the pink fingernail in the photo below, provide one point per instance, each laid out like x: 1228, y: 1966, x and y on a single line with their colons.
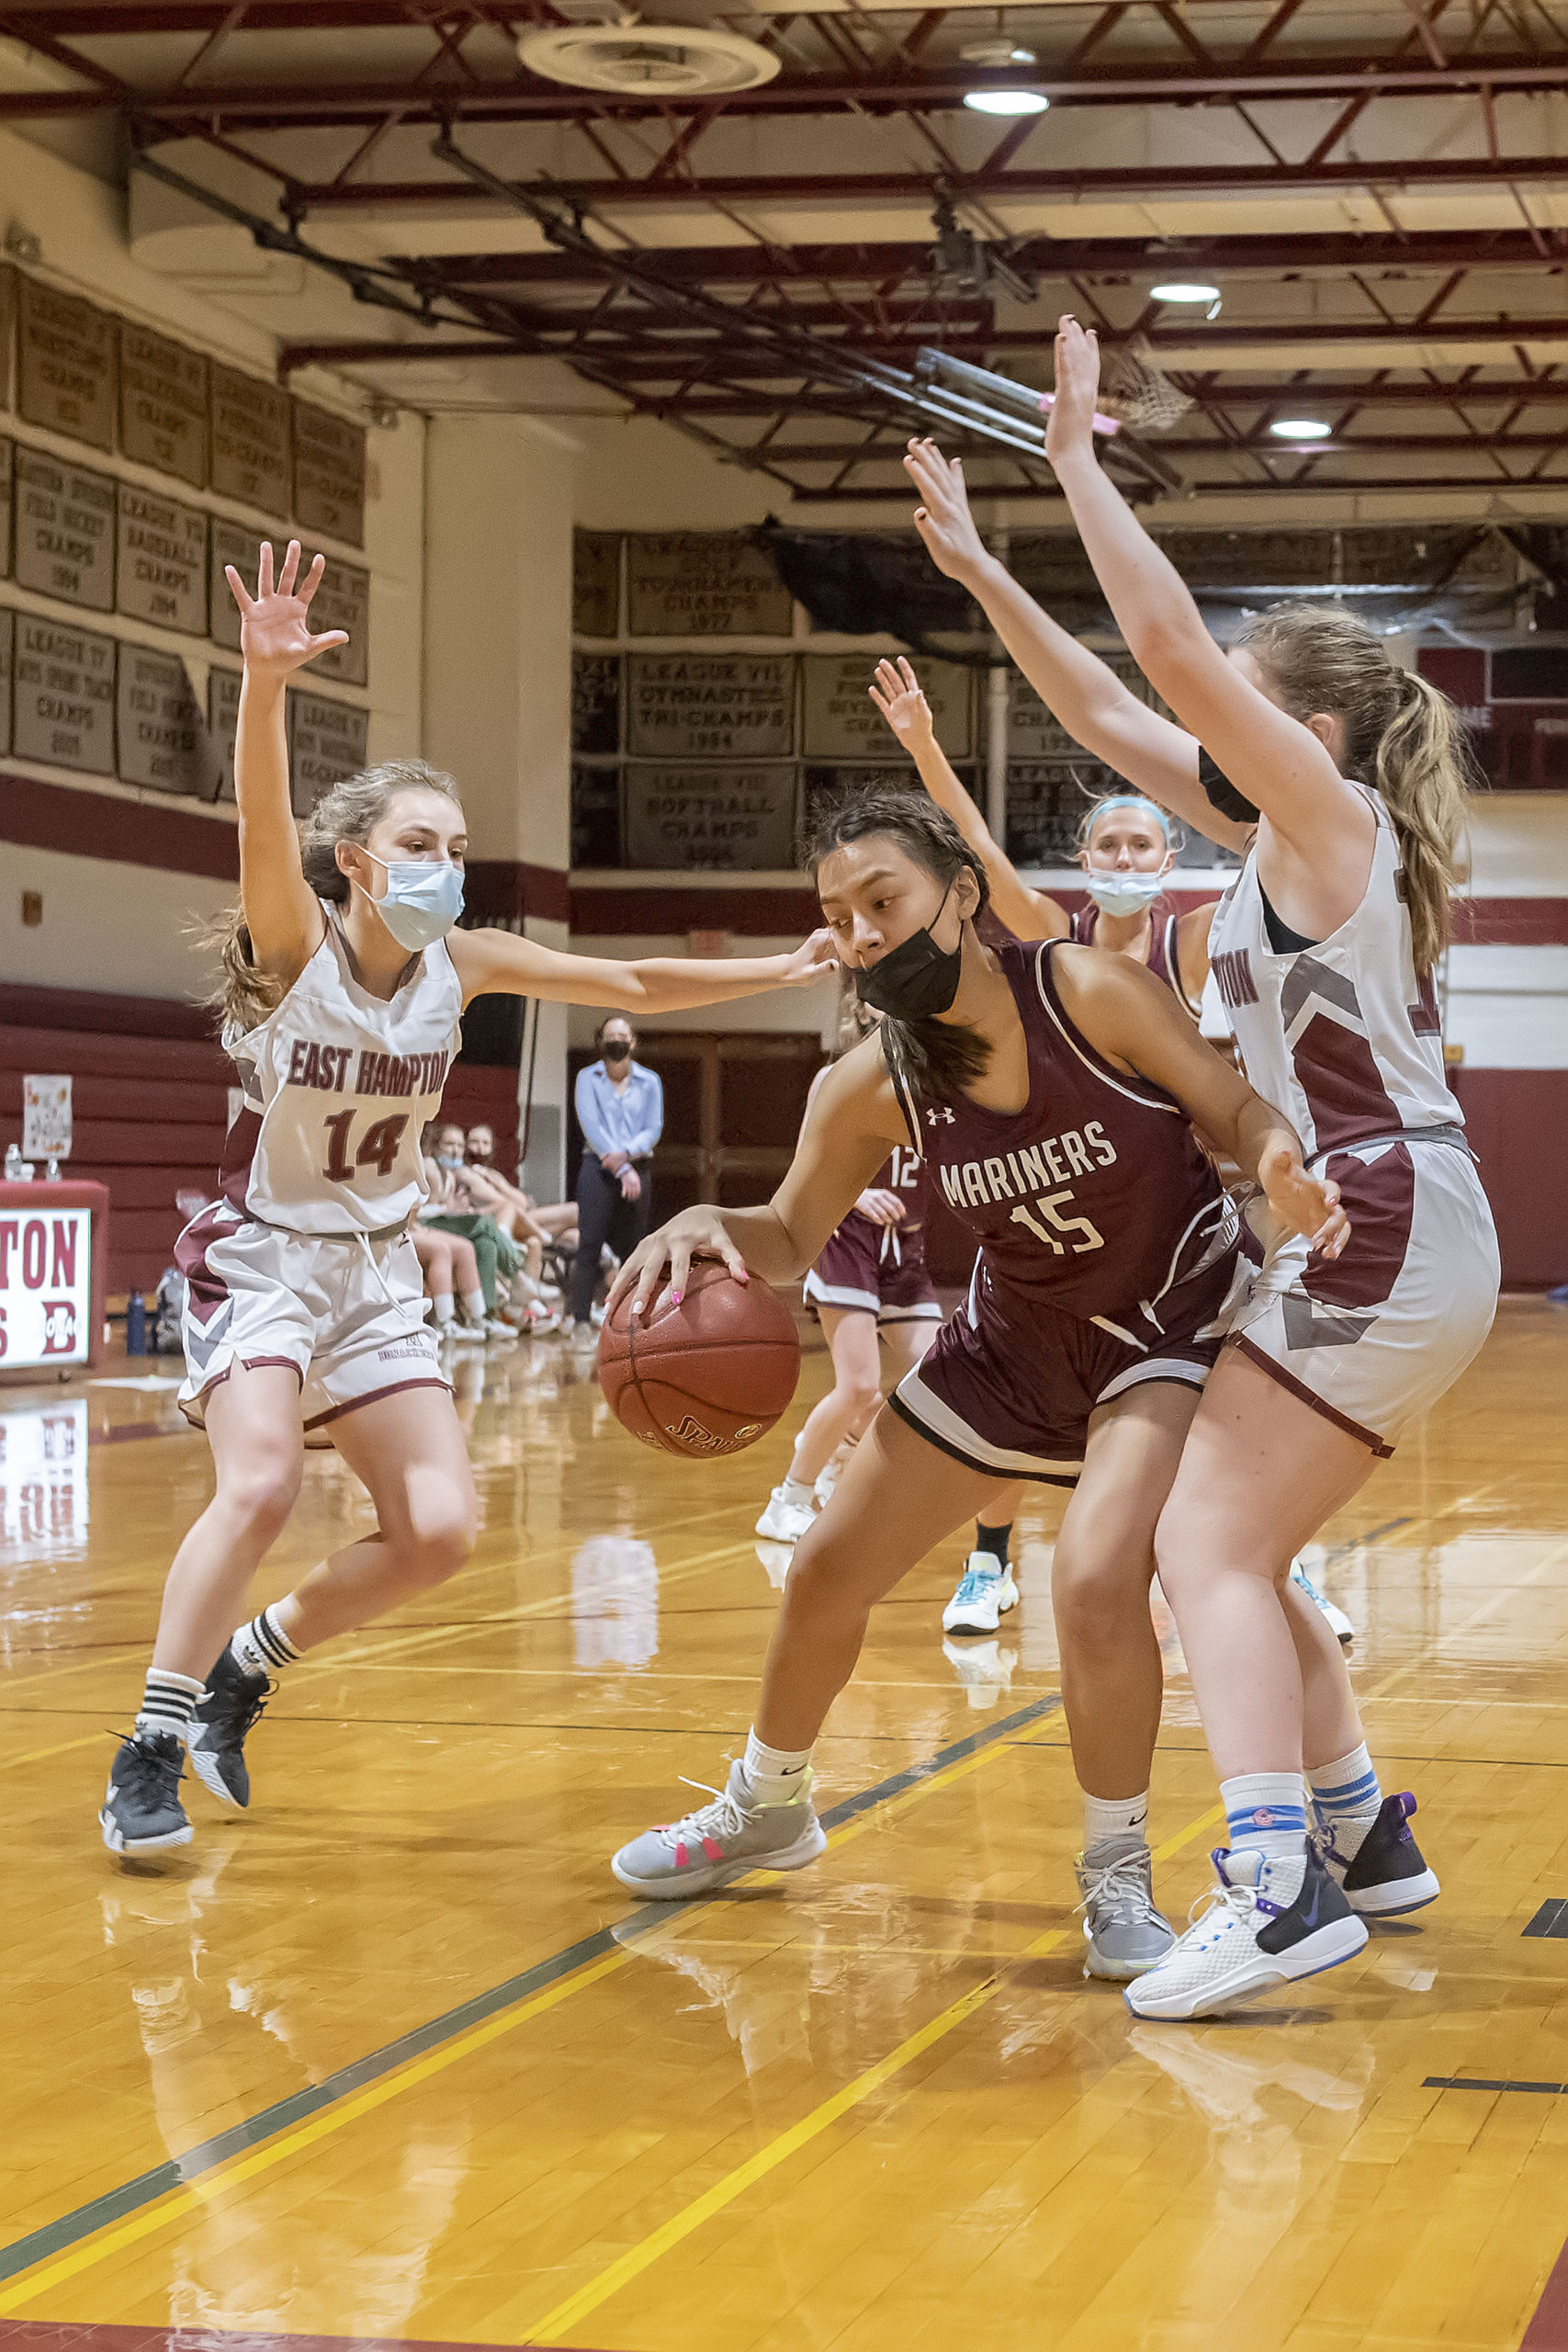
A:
x: 742, y: 1276
x: 676, y: 1296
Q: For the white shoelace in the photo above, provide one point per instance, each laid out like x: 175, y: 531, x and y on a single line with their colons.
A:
x: 1237, y: 1903
x: 725, y: 1817
x: 1120, y: 1885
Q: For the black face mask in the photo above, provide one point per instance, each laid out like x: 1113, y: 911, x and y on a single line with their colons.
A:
x: 916, y: 980
x: 614, y: 1051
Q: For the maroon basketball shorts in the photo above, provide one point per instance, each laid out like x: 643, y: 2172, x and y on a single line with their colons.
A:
x: 1009, y: 1385
x: 877, y: 1269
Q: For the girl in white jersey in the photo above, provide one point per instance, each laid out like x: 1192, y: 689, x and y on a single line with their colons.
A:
x: 344, y: 981
x: 1325, y: 949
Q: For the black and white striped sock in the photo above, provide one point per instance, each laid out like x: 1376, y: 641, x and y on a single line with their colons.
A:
x: 262, y: 1647
x: 168, y: 1701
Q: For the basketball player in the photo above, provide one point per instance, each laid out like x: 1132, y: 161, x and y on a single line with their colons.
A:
x: 1344, y: 776
x: 1126, y: 848
x: 343, y: 982
x: 1051, y: 1092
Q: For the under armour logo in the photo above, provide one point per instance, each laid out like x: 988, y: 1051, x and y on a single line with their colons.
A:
x: 945, y: 1113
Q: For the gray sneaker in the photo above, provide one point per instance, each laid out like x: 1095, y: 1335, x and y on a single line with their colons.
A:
x: 720, y: 1842
x: 1126, y: 1934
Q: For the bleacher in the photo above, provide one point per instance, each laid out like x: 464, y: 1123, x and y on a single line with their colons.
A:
x: 150, y: 1102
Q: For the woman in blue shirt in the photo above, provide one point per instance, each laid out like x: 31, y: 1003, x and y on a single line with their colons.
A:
x: 620, y: 1108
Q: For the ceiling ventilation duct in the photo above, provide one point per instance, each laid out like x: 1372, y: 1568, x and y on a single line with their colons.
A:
x: 637, y: 60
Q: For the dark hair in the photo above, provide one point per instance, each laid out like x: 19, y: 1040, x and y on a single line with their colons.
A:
x: 1402, y: 736
x: 936, y: 1057
x: 599, y: 1033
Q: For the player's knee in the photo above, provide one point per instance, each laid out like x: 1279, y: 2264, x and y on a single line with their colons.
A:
x: 261, y: 1493
x: 1090, y: 1606
x: 863, y: 1396
x: 441, y: 1536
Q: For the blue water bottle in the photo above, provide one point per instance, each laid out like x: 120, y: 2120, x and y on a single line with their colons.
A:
x: 135, y: 1326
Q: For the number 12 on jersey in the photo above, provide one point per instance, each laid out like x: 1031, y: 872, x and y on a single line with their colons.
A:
x: 377, y: 1148
x: 1025, y: 1215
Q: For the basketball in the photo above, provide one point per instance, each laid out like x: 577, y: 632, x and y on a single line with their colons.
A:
x: 707, y: 1377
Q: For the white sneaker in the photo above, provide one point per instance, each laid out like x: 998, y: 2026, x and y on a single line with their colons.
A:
x: 596, y: 1318
x: 462, y: 1335
x: 1269, y: 1922
x: 785, y: 1523
x: 1126, y: 1933
x: 829, y: 1478
x: 985, y: 1593
x: 1339, y: 1626
x: 499, y: 1333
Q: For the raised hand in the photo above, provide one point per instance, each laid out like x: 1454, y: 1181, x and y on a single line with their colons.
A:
x: 942, y: 517
x: 275, y: 637
x: 897, y: 693
x: 1070, y: 431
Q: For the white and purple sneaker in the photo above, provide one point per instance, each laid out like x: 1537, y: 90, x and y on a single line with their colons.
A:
x: 1270, y: 1921
x: 1388, y: 1875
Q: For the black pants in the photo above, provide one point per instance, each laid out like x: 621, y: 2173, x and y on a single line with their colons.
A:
x: 603, y: 1214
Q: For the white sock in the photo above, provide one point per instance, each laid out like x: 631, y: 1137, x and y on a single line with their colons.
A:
x: 795, y: 1490
x: 1266, y: 1812
x: 474, y: 1306
x: 443, y: 1304
x: 262, y: 1648
x: 774, y: 1772
x: 1347, y: 1799
x: 1124, y: 1820
x: 168, y: 1702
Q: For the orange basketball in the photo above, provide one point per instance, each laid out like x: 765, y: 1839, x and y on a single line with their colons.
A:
x: 708, y: 1376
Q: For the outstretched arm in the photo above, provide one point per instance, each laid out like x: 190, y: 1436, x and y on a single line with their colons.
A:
x: 281, y: 911
x: 1134, y: 1021
x: 849, y: 1129
x: 1078, y: 689
x: 498, y: 963
x: 1028, y: 914
x: 1324, y: 822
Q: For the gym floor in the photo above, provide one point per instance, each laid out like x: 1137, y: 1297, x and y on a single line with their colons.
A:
x: 392, y: 2057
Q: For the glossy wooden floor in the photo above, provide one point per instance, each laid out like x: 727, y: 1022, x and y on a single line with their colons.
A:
x: 873, y: 2106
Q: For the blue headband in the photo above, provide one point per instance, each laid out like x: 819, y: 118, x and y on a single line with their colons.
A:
x: 1129, y: 800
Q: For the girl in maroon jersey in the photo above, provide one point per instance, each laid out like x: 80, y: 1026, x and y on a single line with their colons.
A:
x: 1051, y: 1092
x: 1325, y: 948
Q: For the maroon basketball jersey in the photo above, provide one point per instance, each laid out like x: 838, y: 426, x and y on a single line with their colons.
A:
x: 1095, y: 1198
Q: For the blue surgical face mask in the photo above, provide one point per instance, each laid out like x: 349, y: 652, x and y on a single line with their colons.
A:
x: 423, y: 899
x: 1124, y: 894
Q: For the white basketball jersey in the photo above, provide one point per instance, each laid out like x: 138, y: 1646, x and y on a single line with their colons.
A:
x: 1340, y: 1035
x: 338, y: 1086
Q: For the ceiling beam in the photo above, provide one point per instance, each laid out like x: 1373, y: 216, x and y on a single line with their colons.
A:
x: 845, y: 190
x: 941, y: 87
x: 1382, y: 445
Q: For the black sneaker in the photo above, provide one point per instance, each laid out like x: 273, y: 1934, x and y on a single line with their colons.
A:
x: 142, y: 1810
x: 232, y: 1704
x: 1388, y: 1875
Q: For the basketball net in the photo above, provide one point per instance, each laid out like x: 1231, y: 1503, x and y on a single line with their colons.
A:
x: 1138, y: 392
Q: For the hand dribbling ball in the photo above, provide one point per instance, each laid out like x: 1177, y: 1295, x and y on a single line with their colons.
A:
x: 707, y: 1377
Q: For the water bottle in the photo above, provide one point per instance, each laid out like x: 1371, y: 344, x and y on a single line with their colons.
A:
x: 13, y: 1164
x: 135, y: 1326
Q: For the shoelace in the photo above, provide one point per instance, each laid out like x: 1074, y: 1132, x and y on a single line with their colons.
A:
x: 974, y: 1582
x: 1236, y: 1902
x: 1120, y: 1884
x: 146, y: 1769
x: 725, y: 1817
x: 1305, y: 1583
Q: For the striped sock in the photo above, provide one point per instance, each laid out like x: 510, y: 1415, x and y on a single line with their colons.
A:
x: 1345, y: 1798
x: 168, y: 1701
x: 262, y: 1648
x: 1266, y: 1812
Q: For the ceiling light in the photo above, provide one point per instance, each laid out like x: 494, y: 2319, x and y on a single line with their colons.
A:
x: 1007, y: 101
x: 998, y: 50
x: 1302, y: 428
x: 1178, y: 291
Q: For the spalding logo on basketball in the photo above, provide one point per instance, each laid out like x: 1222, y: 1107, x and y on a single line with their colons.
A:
x: 708, y: 1376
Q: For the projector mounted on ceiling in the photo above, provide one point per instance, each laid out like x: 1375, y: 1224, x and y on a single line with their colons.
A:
x: 637, y: 60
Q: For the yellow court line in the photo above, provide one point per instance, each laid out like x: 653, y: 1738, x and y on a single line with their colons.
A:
x: 681, y: 2225
x: 204, y: 2192
x: 95, y: 2250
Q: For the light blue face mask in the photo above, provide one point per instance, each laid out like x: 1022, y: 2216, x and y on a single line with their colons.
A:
x: 423, y: 902
x: 1124, y: 894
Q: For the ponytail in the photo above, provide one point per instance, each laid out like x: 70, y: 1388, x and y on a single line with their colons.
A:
x: 1402, y: 736
x: 934, y: 1058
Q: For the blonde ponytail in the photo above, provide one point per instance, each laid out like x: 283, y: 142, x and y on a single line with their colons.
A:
x: 1402, y: 736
